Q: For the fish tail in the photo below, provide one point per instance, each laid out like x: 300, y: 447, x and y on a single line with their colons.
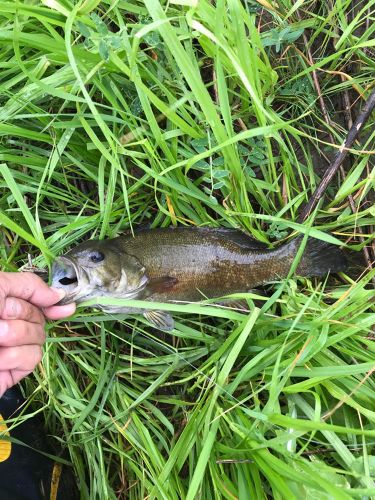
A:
x: 320, y: 258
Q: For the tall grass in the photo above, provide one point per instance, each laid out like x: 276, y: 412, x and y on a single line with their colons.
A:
x: 116, y: 114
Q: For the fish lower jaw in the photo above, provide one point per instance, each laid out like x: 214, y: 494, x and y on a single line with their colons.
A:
x: 72, y: 297
x: 113, y: 309
x: 66, y: 276
x: 66, y: 300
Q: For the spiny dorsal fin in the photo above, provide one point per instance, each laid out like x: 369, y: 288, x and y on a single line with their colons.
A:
x: 237, y: 236
x: 128, y: 233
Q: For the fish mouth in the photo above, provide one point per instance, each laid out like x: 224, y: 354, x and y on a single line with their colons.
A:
x: 66, y: 275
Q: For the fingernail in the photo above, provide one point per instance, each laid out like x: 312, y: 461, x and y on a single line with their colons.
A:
x: 60, y: 312
x: 13, y: 308
x: 68, y: 309
x: 60, y: 292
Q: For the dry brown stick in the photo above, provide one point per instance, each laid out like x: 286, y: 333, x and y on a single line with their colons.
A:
x: 347, y: 105
x: 349, y: 121
x: 337, y: 163
x: 328, y: 121
x: 340, y: 156
x: 325, y: 450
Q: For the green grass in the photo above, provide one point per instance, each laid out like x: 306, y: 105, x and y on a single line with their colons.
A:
x: 123, y: 113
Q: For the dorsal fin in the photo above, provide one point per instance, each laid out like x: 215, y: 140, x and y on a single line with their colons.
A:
x: 145, y: 226
x: 237, y: 236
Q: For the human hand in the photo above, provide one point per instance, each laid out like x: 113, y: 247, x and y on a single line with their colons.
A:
x: 25, y: 301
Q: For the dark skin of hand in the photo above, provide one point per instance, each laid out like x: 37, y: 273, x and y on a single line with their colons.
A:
x: 25, y: 303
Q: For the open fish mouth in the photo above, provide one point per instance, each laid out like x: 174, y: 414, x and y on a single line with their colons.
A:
x: 66, y: 275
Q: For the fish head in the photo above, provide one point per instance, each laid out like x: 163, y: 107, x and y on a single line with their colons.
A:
x: 98, y: 269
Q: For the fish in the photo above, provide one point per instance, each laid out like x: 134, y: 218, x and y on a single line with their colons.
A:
x: 187, y: 264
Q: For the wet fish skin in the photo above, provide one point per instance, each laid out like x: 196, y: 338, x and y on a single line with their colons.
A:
x: 183, y: 264
x: 206, y: 263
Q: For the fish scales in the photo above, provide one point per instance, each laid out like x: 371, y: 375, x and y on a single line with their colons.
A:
x: 204, y: 263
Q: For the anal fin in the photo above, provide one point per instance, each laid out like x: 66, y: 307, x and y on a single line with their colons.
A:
x: 160, y: 319
x: 240, y: 305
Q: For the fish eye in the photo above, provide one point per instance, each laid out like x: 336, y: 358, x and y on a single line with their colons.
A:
x: 96, y: 257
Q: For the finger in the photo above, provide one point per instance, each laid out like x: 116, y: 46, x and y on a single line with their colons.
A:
x: 24, y: 357
x: 10, y: 378
x: 20, y: 309
x: 16, y: 333
x: 59, y: 312
x: 28, y: 286
x: 6, y: 381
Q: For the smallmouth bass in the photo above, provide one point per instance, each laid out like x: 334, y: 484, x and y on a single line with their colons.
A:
x: 182, y: 264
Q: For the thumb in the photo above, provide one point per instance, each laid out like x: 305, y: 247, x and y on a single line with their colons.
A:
x: 28, y: 286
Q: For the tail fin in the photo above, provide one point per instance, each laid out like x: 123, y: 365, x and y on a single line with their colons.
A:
x: 320, y: 258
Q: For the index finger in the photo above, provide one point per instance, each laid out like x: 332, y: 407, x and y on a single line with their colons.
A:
x: 29, y: 287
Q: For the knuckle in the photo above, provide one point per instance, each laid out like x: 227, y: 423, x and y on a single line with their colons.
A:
x: 31, y: 282
x: 31, y: 278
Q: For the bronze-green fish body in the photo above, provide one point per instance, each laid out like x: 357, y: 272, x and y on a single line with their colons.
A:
x: 182, y: 264
x: 204, y: 263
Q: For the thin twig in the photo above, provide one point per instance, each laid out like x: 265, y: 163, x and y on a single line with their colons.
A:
x: 347, y: 397
x: 340, y: 157
x: 330, y: 172
x: 137, y: 133
x: 347, y: 105
x: 320, y: 451
x: 349, y: 123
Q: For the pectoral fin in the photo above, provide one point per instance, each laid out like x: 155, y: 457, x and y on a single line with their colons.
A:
x: 161, y: 285
x: 160, y: 319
